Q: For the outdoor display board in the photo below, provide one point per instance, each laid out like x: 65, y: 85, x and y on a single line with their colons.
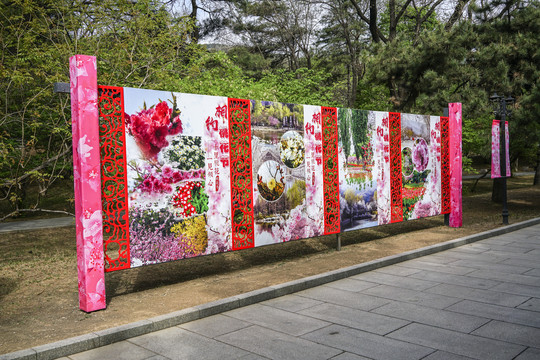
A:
x: 183, y: 175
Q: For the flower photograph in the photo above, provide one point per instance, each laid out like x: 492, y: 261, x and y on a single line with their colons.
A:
x: 416, y: 170
x: 270, y: 180
x: 291, y: 149
x: 358, y: 187
x: 166, y: 156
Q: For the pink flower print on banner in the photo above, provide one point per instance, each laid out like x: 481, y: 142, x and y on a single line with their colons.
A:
x: 97, y: 298
x: 86, y: 171
x: 507, y: 144
x: 92, y: 223
x: 84, y: 150
x: 455, y: 121
x: 382, y: 166
x: 420, y: 155
x: 92, y: 234
x: 150, y: 128
x: 495, y: 156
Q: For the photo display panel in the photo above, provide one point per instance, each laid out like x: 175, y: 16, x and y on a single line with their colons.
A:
x: 209, y: 174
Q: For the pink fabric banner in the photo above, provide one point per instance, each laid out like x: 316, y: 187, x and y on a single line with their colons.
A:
x: 456, y: 211
x: 495, y: 150
x: 507, y: 147
x: 86, y: 174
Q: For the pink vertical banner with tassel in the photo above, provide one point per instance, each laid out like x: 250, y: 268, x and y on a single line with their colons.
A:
x: 86, y: 174
x: 454, y: 124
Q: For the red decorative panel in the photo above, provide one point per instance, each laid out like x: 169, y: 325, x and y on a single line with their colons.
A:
x: 445, y: 166
x: 113, y: 177
x: 241, y: 174
x: 331, y: 170
x: 396, y: 181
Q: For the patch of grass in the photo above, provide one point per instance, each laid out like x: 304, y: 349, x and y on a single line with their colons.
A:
x: 485, y: 185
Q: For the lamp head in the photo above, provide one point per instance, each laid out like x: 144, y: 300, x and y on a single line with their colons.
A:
x: 495, y: 97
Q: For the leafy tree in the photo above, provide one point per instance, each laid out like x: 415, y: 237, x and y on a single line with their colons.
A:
x: 296, y: 194
x: 344, y: 119
x: 359, y: 131
x: 136, y: 43
x: 280, y: 30
x: 342, y: 41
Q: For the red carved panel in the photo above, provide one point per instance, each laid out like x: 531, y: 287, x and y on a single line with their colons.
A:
x: 113, y: 177
x: 445, y: 166
x: 396, y: 181
x: 331, y: 170
x: 241, y: 174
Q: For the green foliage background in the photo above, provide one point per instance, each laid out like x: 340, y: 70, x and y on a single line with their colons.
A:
x: 303, y: 52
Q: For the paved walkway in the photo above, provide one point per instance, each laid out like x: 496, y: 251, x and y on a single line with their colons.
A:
x: 37, y: 224
x: 479, y: 301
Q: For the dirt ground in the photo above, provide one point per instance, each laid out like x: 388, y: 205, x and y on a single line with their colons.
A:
x: 38, y: 278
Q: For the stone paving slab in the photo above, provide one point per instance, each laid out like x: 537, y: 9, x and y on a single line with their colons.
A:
x: 349, y: 356
x: 276, y: 319
x: 398, y: 281
x: 497, y: 267
x: 214, y: 326
x: 367, y: 344
x: 506, y: 277
x: 511, y: 333
x: 520, y: 262
x: 533, y: 272
x: 457, y: 343
x: 429, y: 316
x: 397, y: 270
x: 356, y: 319
x: 345, y: 298
x: 432, y: 308
x: 518, y: 289
x: 414, y: 297
x: 176, y: 343
x: 123, y: 350
x: 277, y: 345
x: 532, y: 304
x: 443, y: 355
x: 292, y: 303
x: 353, y: 285
x: 479, y: 295
x: 434, y: 266
x: 497, y: 312
x: 529, y: 354
x: 467, y: 281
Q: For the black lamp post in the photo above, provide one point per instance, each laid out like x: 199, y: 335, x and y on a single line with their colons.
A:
x: 501, y: 110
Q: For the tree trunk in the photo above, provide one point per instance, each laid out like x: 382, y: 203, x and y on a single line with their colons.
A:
x: 392, y: 13
x: 193, y: 16
x: 497, y: 191
x: 373, y: 29
x: 536, y: 181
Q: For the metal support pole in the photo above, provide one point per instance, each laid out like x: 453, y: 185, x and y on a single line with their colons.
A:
x: 338, y: 238
x: 502, y: 150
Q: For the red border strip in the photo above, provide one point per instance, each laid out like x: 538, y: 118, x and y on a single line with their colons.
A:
x: 112, y: 139
x: 445, y: 166
x: 396, y: 180
x: 331, y: 170
x: 241, y: 174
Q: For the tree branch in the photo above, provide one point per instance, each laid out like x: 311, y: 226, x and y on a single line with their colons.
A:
x: 456, y: 14
x: 376, y: 33
x: 42, y: 166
